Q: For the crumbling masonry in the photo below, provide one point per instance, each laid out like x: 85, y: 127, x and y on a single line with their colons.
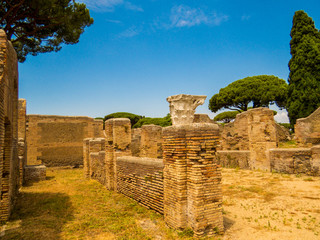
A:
x: 9, y: 161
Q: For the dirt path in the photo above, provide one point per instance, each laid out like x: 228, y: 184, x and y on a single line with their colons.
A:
x: 256, y: 205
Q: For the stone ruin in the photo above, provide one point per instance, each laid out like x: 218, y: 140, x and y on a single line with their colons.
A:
x: 174, y: 170
x: 185, y: 185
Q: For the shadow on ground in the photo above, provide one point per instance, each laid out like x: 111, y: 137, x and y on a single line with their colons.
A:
x: 38, y: 216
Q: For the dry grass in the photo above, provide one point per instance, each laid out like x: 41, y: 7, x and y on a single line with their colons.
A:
x: 261, y: 205
x: 256, y: 205
x: 67, y: 206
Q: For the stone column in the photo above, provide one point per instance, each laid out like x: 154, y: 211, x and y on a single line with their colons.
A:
x: 182, y: 107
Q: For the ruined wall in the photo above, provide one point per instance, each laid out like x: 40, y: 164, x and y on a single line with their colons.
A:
x: 234, y: 159
x: 192, y: 178
x: 151, y: 141
x: 296, y: 160
x: 57, y: 140
x: 118, y: 140
x: 142, y: 180
x: 9, y: 161
x: 307, y: 130
x: 255, y: 131
x: 22, y: 145
x: 135, y: 141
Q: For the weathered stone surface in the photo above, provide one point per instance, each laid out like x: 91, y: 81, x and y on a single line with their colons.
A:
x: 135, y: 141
x: 22, y: 145
x: 182, y: 107
x: 9, y: 161
x: 291, y: 160
x: 202, y: 118
x: 151, y: 141
x: 307, y: 130
x: 57, y: 140
x: 254, y: 130
x: 234, y: 158
x: 35, y: 173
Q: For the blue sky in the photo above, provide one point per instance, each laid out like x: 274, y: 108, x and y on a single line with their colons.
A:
x: 137, y: 53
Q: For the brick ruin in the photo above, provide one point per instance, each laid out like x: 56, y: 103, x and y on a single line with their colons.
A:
x: 9, y: 161
x: 174, y: 170
x: 58, y: 140
x: 185, y: 185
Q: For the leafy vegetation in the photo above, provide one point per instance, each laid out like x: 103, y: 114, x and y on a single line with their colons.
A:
x: 133, y: 117
x: 163, y: 122
x: 226, y: 117
x: 259, y: 90
x: 39, y: 26
x: 304, y: 65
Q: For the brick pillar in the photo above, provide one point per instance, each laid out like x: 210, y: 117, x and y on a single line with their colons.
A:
x: 86, y: 163
x: 95, y: 146
x: 192, y: 178
x: 151, y: 141
x: 118, y: 140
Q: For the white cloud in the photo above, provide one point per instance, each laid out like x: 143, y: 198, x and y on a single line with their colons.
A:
x: 245, y: 17
x: 130, y: 32
x: 282, y: 117
x: 130, y: 6
x: 109, y: 5
x: 185, y: 16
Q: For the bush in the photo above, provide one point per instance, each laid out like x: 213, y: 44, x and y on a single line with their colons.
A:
x: 163, y: 122
x: 133, y: 117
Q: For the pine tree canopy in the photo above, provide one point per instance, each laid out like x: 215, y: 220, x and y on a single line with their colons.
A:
x: 39, y: 26
x: 259, y: 90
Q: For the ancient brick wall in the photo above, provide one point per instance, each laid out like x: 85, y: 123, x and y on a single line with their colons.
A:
x: 234, y: 159
x: 22, y: 145
x: 118, y: 141
x: 296, y: 160
x: 254, y: 130
x: 142, y: 180
x: 9, y: 161
x: 151, y: 141
x: 58, y: 140
x: 307, y: 130
x: 192, y: 178
x: 135, y: 142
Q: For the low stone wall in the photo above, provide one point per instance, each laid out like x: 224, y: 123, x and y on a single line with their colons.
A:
x: 34, y: 173
x: 233, y: 159
x: 142, y: 180
x: 295, y: 160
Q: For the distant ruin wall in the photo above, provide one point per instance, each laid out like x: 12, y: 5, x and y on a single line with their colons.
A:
x: 234, y: 159
x: 151, y: 141
x: 58, y: 140
x: 255, y: 131
x: 307, y: 130
x: 9, y: 161
x: 296, y: 160
x: 142, y: 180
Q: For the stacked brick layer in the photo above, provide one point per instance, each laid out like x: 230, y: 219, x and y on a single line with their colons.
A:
x: 192, y: 178
x: 9, y: 161
x: 234, y: 159
x: 142, y: 180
